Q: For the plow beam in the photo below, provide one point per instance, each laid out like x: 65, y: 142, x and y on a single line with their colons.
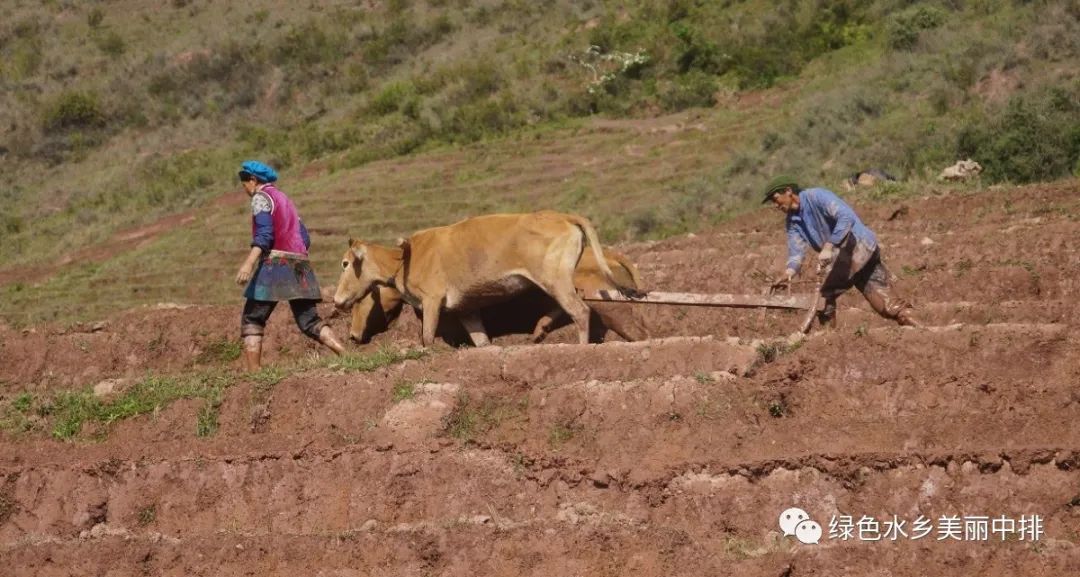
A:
x: 795, y: 301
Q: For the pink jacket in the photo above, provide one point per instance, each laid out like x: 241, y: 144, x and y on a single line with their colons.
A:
x: 286, y: 222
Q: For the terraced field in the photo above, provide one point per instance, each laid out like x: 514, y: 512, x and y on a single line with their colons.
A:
x: 669, y: 456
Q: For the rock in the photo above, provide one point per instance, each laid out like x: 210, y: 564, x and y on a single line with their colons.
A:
x: 962, y: 170
x: 108, y: 387
x: 600, y: 479
x: 369, y: 525
x: 99, y: 326
x: 926, y: 241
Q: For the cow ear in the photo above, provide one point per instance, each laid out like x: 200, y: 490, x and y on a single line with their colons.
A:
x: 358, y: 253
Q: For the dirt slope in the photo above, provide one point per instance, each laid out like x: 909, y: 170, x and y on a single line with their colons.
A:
x: 671, y: 456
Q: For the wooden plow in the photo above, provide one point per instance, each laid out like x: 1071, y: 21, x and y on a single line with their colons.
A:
x: 809, y: 302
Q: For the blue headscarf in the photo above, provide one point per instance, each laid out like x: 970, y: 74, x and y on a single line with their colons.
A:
x: 262, y: 172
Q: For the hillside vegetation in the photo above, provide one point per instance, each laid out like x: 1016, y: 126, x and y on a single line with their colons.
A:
x: 651, y: 117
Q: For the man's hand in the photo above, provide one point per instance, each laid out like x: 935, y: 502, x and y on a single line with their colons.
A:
x: 784, y: 282
x: 826, y: 256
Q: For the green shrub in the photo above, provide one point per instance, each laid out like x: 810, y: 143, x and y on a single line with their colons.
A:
x: 315, y: 143
x: 308, y: 44
x: 73, y: 110
x: 481, y: 119
x: 398, y: 7
x: 111, y: 43
x: 95, y: 17
x: 697, y: 52
x: 220, y: 80
x: 1030, y: 140
x: 903, y: 29
x: 12, y: 224
x: 479, y: 80
x: 696, y: 88
x: 441, y: 27
x: 395, y: 97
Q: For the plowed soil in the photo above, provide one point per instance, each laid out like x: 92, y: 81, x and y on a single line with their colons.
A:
x: 672, y: 456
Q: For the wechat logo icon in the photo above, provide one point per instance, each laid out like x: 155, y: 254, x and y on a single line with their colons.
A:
x: 796, y: 522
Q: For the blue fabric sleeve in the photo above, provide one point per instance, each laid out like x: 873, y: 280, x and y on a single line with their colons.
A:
x: 841, y: 212
x: 304, y: 235
x: 264, y: 231
x: 796, y: 247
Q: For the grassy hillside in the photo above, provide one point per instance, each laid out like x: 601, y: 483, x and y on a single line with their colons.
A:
x: 652, y: 118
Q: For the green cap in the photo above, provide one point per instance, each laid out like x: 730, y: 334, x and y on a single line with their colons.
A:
x: 779, y: 183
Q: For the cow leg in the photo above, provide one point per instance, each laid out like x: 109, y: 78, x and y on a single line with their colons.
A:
x: 543, y: 326
x: 570, y: 302
x: 431, y: 320
x: 475, y: 327
x: 624, y: 322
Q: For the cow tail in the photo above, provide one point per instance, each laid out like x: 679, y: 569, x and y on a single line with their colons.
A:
x: 594, y: 241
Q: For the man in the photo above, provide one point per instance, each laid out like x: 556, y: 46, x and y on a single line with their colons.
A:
x: 847, y: 250
x: 276, y: 268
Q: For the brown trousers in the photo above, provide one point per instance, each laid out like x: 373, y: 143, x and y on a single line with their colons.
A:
x: 872, y: 280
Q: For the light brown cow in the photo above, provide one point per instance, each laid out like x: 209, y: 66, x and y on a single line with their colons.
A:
x: 589, y: 278
x: 374, y: 313
x: 478, y: 262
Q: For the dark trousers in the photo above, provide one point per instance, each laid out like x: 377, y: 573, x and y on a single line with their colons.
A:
x: 256, y: 313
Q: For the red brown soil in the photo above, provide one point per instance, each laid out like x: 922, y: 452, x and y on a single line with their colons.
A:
x: 672, y: 456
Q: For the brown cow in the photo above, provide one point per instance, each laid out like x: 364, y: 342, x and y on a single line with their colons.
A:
x: 478, y: 262
x: 374, y: 313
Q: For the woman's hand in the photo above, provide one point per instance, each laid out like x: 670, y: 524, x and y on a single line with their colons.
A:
x: 243, y: 276
x: 248, y: 268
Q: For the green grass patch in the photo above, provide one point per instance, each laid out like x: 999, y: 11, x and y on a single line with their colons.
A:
x: 403, y: 392
x: 206, y: 424
x: 562, y: 431
x: 147, y: 515
x: 220, y: 351
x: 770, y: 351
x: 266, y: 378
x: 19, y: 415
x: 373, y: 361
x: 778, y: 408
x: 66, y: 412
x: 472, y: 417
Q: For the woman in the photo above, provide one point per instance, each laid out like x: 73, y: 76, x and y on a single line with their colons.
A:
x: 277, y: 267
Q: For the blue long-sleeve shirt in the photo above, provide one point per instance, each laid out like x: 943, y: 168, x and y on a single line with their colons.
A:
x: 822, y: 217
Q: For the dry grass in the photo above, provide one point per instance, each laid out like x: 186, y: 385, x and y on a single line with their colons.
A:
x: 487, y: 117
